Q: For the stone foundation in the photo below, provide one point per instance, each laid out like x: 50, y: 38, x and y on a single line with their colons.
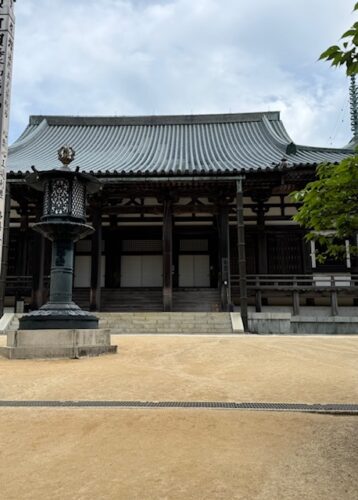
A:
x: 31, y: 344
x: 285, y: 323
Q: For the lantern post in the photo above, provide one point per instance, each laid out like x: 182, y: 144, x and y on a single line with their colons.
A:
x: 63, y: 221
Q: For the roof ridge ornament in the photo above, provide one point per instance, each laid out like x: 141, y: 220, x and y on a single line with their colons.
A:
x: 291, y: 148
x: 66, y: 155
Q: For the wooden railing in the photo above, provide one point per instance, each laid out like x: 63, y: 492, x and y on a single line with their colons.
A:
x: 20, y: 286
x: 259, y: 286
x: 295, y: 285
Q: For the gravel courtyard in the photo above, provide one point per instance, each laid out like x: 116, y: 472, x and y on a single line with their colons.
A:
x: 184, y: 454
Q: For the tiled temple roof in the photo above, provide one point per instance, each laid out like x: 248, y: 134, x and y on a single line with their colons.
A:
x: 165, y: 145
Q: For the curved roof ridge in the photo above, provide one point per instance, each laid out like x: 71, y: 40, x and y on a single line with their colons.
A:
x: 27, y: 137
x: 154, y: 119
x: 279, y: 141
x: 301, y: 147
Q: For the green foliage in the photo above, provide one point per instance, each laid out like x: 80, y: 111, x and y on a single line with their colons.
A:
x: 346, y: 54
x: 330, y: 207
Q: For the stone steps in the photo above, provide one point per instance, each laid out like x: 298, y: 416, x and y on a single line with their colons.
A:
x: 196, y: 299
x: 126, y: 299
x: 151, y: 299
x: 161, y: 323
x: 171, y: 323
x: 14, y: 323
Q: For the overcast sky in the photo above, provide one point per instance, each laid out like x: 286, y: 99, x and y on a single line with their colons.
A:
x: 138, y: 57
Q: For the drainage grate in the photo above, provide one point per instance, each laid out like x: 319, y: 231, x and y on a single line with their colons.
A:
x: 288, y: 407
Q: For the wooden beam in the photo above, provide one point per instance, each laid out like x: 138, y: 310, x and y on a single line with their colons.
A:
x: 158, y: 209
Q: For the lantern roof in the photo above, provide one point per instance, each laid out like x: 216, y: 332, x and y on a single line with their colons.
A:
x: 66, y: 155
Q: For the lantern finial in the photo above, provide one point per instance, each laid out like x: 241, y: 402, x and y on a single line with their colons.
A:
x: 66, y: 155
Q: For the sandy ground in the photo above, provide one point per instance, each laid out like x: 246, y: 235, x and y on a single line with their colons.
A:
x: 81, y: 454
x: 245, y: 368
x: 199, y: 455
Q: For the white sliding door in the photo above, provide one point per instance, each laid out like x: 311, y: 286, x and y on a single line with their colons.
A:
x: 82, y: 271
x: 141, y: 271
x: 194, y: 271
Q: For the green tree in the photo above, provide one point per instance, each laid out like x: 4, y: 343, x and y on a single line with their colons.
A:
x: 346, y: 53
x: 329, y: 209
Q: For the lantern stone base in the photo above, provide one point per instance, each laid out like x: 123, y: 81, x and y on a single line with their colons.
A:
x: 47, y: 318
x: 71, y: 343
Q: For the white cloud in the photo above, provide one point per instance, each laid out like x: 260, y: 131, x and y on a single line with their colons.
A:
x: 182, y: 56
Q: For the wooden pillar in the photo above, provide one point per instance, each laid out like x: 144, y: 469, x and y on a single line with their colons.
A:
x: 38, y: 264
x: 113, y: 254
x: 334, y: 298
x: 261, y: 238
x: 224, y: 256
x: 354, y: 268
x: 261, y: 248
x: 167, y: 255
x: 296, y: 298
x: 22, y: 258
x: 260, y: 197
x: 241, y: 251
x: 96, y: 261
x: 5, y: 247
x: 258, y: 295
